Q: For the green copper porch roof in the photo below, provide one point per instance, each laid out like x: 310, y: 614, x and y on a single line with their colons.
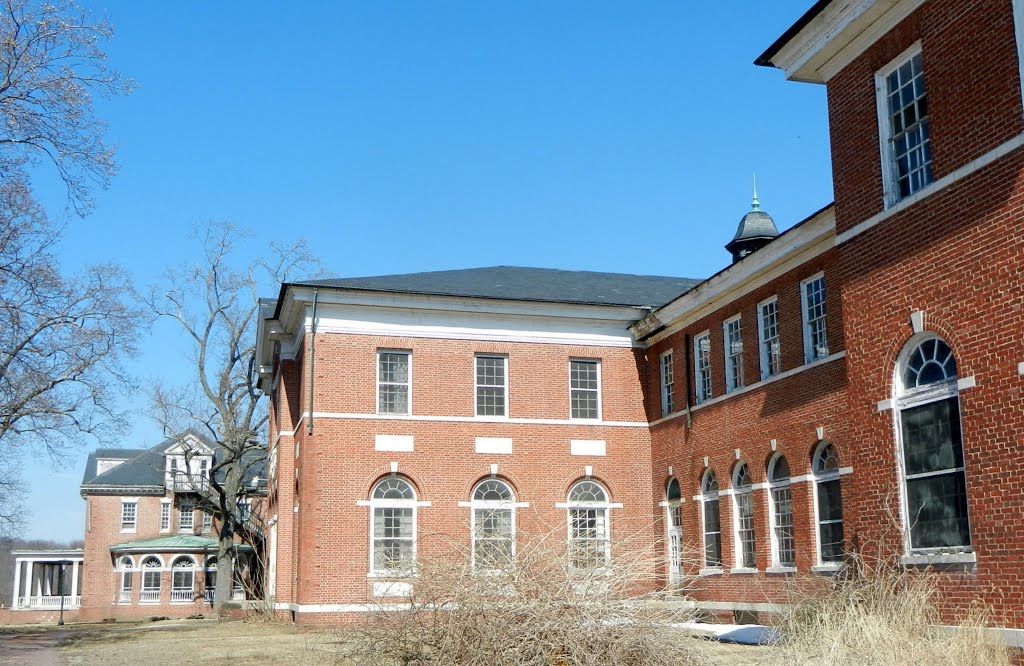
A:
x: 181, y: 542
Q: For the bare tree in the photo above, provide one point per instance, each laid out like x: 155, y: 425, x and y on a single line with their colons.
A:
x: 216, y: 305
x: 63, y: 341
x: 52, y: 65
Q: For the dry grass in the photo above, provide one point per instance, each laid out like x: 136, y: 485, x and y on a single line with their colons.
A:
x: 883, y: 617
x: 541, y: 612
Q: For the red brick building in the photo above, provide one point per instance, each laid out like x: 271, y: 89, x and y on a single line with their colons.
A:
x: 849, y: 387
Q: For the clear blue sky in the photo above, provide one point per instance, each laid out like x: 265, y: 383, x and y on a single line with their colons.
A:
x: 411, y: 136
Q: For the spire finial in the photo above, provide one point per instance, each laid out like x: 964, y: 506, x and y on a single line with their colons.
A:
x: 755, y: 204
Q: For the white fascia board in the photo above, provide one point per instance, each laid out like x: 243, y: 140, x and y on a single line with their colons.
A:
x: 815, y: 237
x: 838, y: 35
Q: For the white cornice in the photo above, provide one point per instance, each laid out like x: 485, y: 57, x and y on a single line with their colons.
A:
x: 795, y: 248
x: 838, y: 35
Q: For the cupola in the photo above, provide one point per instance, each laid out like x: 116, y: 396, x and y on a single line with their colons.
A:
x: 756, y: 230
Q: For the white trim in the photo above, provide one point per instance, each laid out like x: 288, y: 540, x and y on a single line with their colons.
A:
x: 404, y: 503
x: 667, y: 406
x: 587, y: 447
x: 394, y: 443
x: 340, y: 608
x: 780, y: 570
x: 711, y: 571
x: 964, y: 383
x: 935, y: 186
x: 375, y: 504
x: 588, y: 505
x: 1018, y: 31
x: 927, y: 559
x: 698, y: 380
x: 507, y: 402
x: 493, y: 445
x: 1020, y: 368
x: 744, y: 570
x: 477, y: 505
x: 472, y: 419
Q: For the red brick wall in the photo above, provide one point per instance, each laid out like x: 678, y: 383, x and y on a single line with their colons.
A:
x: 973, y: 86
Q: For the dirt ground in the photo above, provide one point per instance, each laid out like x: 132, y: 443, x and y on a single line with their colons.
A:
x: 205, y: 642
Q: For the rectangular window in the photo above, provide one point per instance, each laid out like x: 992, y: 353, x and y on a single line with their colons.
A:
x: 768, y: 332
x: 702, y: 367
x: 588, y: 538
x: 186, y: 517
x: 393, y: 382
x: 129, y: 511
x: 584, y: 389
x: 733, y: 354
x: 667, y: 383
x: 814, y: 311
x: 393, y: 539
x: 830, y: 520
x: 165, y: 516
x: 746, y: 556
x: 782, y: 516
x: 934, y: 474
x: 491, y: 385
x: 712, y: 532
x: 903, y: 116
x: 207, y: 521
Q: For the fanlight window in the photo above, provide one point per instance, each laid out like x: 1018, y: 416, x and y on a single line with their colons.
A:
x: 493, y: 525
x: 394, y: 489
x: 493, y: 491
x: 932, y: 362
x: 393, y: 526
x: 589, y: 536
x: 674, y: 510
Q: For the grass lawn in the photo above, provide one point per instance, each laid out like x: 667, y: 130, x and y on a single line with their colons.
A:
x: 208, y: 642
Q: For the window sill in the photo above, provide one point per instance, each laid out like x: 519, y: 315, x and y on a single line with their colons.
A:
x: 711, y: 571
x: 928, y: 559
x: 392, y: 575
x: 745, y: 571
x: 828, y: 568
x: 128, y: 531
x: 784, y: 571
x: 149, y: 603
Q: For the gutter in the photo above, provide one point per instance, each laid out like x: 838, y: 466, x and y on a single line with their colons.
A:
x: 765, y: 59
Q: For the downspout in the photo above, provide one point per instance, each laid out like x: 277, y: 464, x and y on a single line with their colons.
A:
x: 312, y: 363
x: 686, y: 377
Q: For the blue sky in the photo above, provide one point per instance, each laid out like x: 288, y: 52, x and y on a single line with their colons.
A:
x: 411, y: 136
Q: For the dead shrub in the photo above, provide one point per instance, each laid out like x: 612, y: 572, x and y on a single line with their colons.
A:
x: 541, y: 612
x: 882, y: 616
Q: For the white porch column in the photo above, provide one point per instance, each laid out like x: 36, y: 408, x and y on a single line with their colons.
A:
x: 37, y: 577
x: 48, y: 578
x: 17, y: 582
x: 74, y: 581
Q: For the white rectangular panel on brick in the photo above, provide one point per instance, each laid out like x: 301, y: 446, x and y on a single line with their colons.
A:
x: 500, y: 445
x: 392, y: 589
x: 393, y: 443
x: 587, y: 447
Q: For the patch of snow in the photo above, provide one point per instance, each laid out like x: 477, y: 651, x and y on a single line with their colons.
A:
x: 743, y: 634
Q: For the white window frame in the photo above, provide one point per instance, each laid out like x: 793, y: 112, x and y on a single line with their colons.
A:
x: 604, y: 507
x: 773, y: 512
x: 705, y: 497
x: 476, y: 386
x: 890, y: 178
x: 158, y: 572
x: 905, y: 399
x: 702, y: 386
x: 674, y: 534
x: 819, y: 478
x: 126, y: 566
x: 1018, y: 29
x: 165, y: 516
x: 408, y: 384
x: 762, y: 339
x: 667, y: 374
x: 747, y: 491
x: 733, y: 360
x: 374, y: 504
x: 476, y: 505
x: 129, y: 506
x: 191, y: 569
x: 191, y: 513
x: 207, y: 522
x: 600, y: 407
x: 810, y: 353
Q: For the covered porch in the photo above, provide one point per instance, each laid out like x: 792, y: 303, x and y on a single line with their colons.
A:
x: 47, y: 579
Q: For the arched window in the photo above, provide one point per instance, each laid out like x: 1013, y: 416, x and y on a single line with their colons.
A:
x: 780, y: 512
x: 494, y: 525
x: 152, y: 571
x: 589, y: 536
x: 183, y: 579
x: 127, y: 568
x: 934, y: 479
x: 828, y: 503
x: 674, y: 535
x: 743, y: 505
x: 393, y: 527
x: 712, y: 517
x: 210, y: 578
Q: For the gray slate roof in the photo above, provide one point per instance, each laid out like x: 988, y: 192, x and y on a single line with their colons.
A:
x: 527, y: 284
x: 145, y: 467
x: 756, y: 224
